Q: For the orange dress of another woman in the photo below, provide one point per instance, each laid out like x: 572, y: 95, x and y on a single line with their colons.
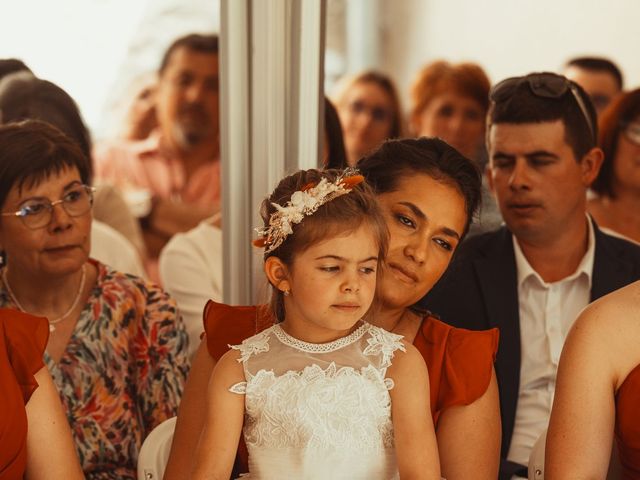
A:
x: 459, y: 361
x: 23, y: 339
x: 627, y: 429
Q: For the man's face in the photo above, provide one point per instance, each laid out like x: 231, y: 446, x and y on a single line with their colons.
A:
x: 187, y: 99
x: 538, y: 183
x: 601, y: 87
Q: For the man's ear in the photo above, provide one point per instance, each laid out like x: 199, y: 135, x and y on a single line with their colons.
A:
x: 277, y: 273
x: 590, y: 165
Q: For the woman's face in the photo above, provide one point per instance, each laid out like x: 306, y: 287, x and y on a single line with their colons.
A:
x: 458, y: 120
x: 56, y: 249
x: 626, y: 166
x: 366, y: 115
x: 426, y: 219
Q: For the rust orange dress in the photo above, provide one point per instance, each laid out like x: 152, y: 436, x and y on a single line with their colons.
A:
x: 23, y: 339
x: 627, y: 430
x: 460, y: 362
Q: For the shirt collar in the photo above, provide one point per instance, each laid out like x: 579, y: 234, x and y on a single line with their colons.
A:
x: 525, y: 270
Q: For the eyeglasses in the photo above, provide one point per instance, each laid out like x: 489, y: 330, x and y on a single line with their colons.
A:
x: 632, y: 132
x: 544, y: 85
x: 378, y: 114
x: 38, y: 213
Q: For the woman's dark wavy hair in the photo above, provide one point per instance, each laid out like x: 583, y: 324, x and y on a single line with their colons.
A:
x: 624, y: 109
x: 396, y: 160
x: 342, y: 215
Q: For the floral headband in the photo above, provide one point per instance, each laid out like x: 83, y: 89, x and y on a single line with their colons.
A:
x: 304, y: 202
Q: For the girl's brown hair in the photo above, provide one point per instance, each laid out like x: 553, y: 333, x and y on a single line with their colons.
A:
x: 341, y: 215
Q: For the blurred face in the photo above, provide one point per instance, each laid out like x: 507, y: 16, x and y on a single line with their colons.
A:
x: 426, y: 219
x: 539, y: 185
x: 56, y: 249
x: 332, y: 284
x: 600, y: 86
x: 187, y: 100
x: 626, y: 166
x: 366, y: 115
x: 458, y: 120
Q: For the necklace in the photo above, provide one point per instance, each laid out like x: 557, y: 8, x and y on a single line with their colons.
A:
x: 52, y: 323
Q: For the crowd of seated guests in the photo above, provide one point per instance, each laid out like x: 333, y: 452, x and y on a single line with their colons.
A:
x: 557, y: 229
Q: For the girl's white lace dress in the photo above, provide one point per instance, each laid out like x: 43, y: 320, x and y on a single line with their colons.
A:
x: 319, y: 411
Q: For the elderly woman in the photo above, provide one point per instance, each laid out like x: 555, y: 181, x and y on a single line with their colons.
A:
x: 370, y: 113
x: 617, y: 203
x: 117, y: 350
x: 450, y: 101
x: 428, y: 193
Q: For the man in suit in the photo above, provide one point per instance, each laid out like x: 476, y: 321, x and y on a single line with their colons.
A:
x: 532, y: 277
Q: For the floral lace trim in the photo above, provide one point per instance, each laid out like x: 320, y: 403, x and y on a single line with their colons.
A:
x: 240, y: 388
x: 252, y: 346
x: 287, y: 339
x: 383, y: 343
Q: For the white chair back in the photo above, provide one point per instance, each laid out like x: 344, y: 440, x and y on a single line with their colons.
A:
x: 155, y: 449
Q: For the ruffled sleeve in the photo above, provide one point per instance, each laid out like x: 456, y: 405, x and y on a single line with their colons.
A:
x: 226, y: 325
x: 26, y: 338
x: 460, y: 363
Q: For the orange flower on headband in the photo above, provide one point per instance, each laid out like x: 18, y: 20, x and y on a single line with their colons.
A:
x: 303, y: 202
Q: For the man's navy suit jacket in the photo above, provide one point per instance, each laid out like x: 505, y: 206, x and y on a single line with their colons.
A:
x: 479, y: 291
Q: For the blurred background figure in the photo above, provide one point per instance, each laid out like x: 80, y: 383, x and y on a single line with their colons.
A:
x: 333, y: 151
x: 450, y: 101
x: 600, y: 78
x: 116, y: 236
x: 138, y: 108
x: 616, y: 208
x: 370, y: 113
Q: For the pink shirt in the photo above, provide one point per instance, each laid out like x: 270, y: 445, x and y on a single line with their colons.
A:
x: 144, y: 165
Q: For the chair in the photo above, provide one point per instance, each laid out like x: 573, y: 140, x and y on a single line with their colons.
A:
x: 155, y: 449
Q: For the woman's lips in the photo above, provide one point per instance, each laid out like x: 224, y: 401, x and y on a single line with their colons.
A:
x: 403, y: 274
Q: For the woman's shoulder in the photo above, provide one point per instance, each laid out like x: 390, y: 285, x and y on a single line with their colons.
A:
x: 460, y: 361
x: 226, y: 325
x: 116, y: 285
x: 25, y: 338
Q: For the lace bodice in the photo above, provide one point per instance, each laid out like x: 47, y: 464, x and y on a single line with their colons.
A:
x: 318, y: 411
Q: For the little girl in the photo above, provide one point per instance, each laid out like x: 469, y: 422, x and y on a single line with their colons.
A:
x: 322, y: 394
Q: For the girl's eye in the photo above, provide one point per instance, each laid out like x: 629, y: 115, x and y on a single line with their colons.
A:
x: 329, y: 269
x: 368, y: 270
x: 406, y: 221
x: 444, y: 244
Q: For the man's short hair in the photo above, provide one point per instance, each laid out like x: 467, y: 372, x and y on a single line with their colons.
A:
x: 522, y: 105
x: 598, y: 64
x: 195, y: 42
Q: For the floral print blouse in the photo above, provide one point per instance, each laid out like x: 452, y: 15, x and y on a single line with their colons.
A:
x: 122, y: 372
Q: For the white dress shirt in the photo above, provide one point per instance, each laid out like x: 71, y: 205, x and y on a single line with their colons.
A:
x: 547, y: 312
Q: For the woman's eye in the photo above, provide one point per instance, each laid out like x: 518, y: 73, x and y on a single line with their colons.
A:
x: 444, y: 244
x: 406, y: 221
x: 32, y: 209
x: 72, y: 196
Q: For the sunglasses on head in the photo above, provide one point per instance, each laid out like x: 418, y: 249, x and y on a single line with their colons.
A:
x: 543, y: 85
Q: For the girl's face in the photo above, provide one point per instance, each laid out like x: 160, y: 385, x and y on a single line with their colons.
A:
x: 457, y: 119
x: 58, y: 248
x: 626, y: 166
x: 332, y: 285
x: 366, y: 114
x: 426, y: 219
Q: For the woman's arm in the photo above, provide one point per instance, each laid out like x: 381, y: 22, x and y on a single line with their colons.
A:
x: 469, y: 437
x: 582, y: 419
x: 190, y: 414
x: 51, y: 453
x: 415, y: 439
x: 223, y: 420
